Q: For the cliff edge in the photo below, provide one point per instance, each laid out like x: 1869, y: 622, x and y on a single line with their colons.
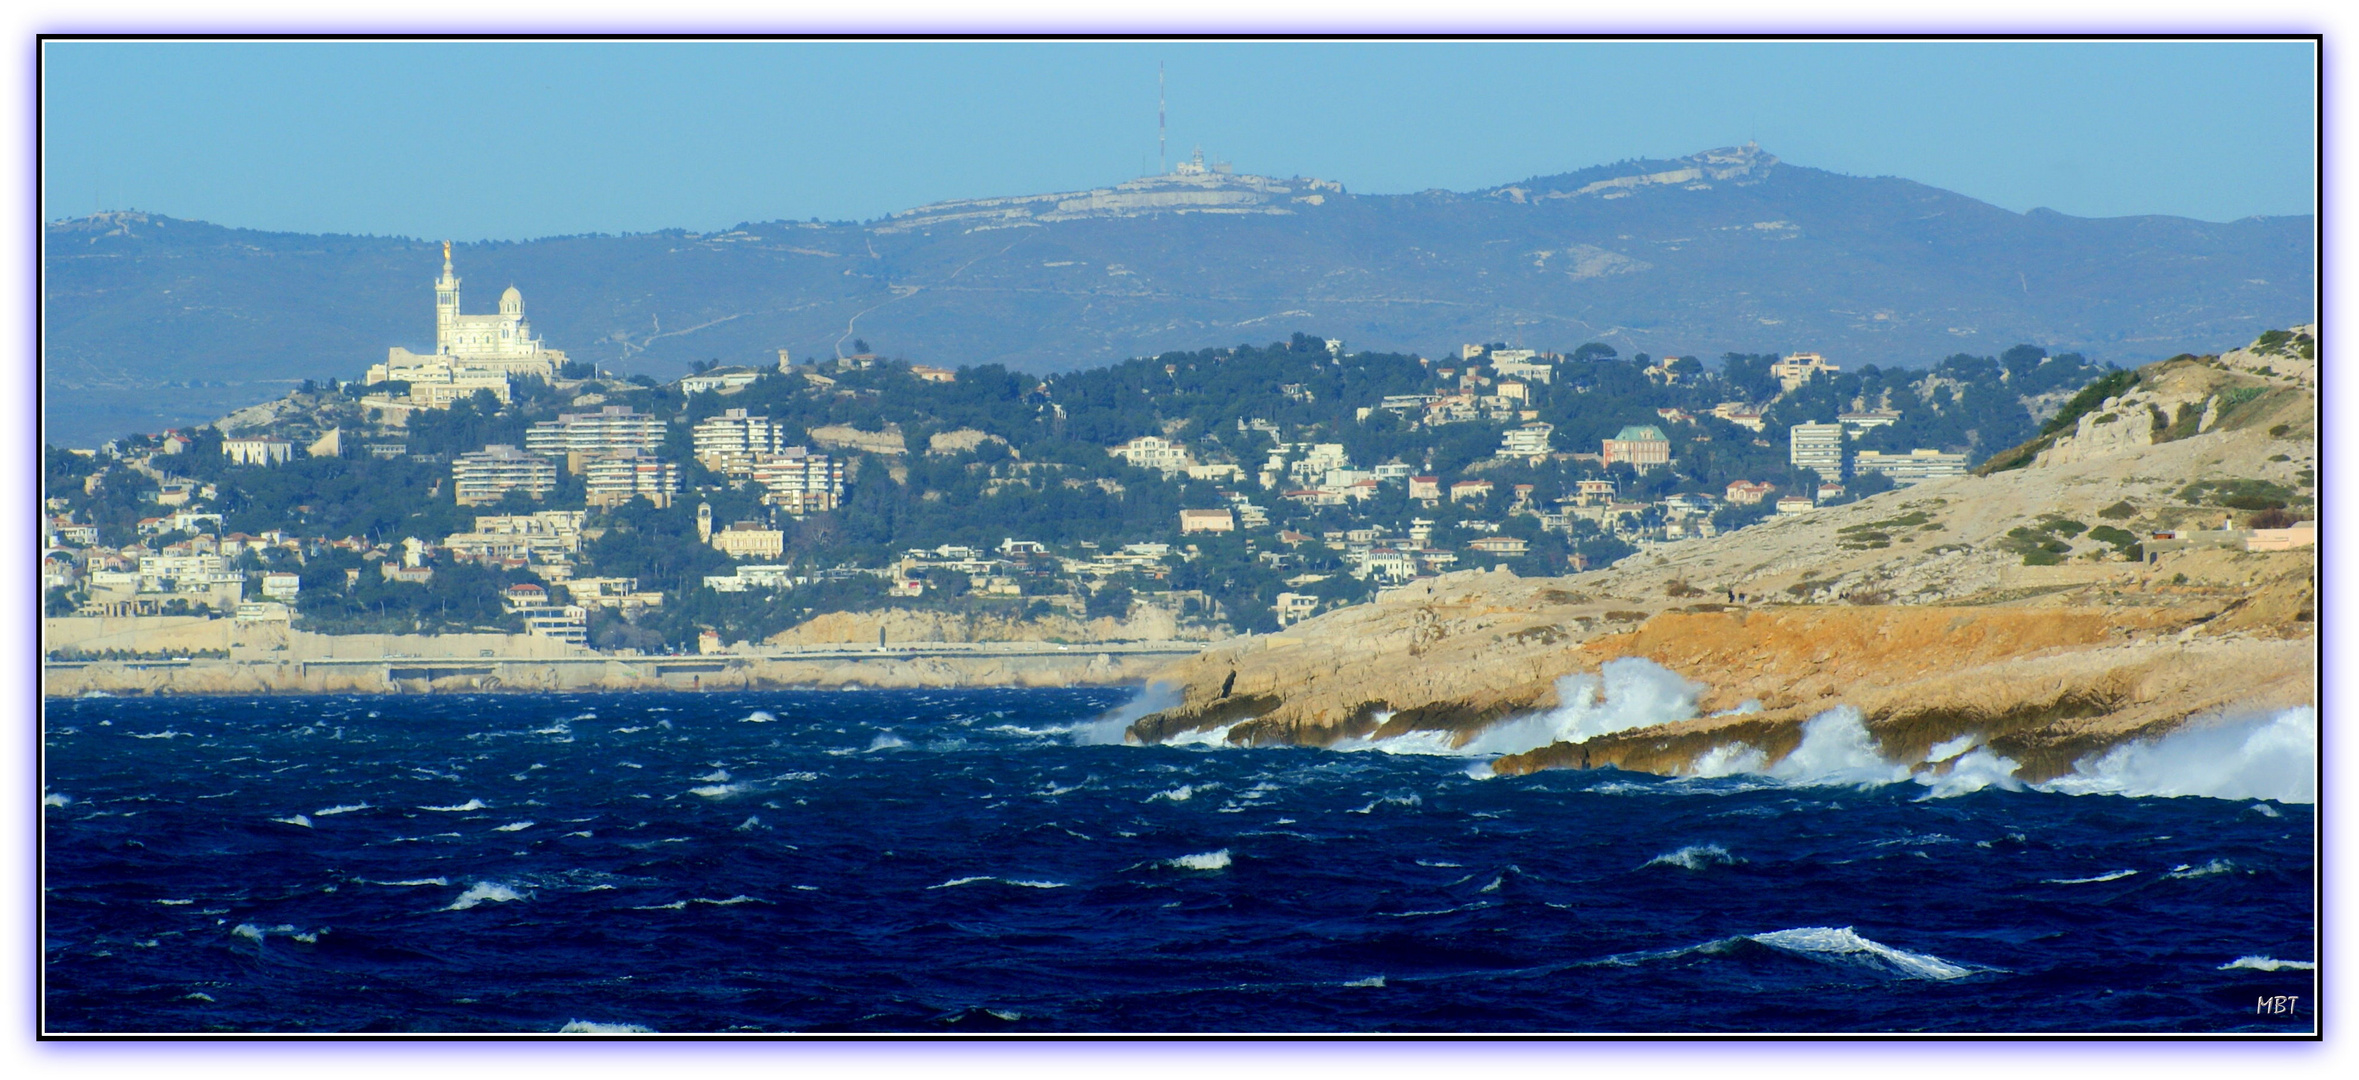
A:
x: 2020, y: 610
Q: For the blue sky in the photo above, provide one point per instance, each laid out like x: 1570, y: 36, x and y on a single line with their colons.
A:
x: 518, y: 140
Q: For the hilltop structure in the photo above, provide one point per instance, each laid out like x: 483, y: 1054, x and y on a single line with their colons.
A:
x: 471, y: 350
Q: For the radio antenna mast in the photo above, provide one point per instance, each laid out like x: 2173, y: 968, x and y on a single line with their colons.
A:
x: 1162, y: 163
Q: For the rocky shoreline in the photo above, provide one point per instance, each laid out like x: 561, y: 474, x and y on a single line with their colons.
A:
x: 1915, y: 607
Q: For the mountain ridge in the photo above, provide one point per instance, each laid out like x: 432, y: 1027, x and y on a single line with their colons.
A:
x: 152, y: 322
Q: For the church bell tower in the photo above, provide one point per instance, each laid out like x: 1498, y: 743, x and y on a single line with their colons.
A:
x: 446, y: 303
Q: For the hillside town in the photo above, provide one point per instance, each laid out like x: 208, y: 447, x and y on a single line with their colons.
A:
x: 559, y: 500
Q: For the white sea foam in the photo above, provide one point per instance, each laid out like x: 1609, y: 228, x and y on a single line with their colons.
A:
x: 412, y: 882
x: 2260, y: 757
x: 159, y: 735
x: 719, y: 791
x: 1410, y: 799
x: 2268, y: 963
x: 1837, y: 749
x: 2216, y: 866
x: 885, y: 740
x: 483, y: 891
x: 1216, y: 737
x: 1111, y: 729
x: 1746, y: 707
x: 1728, y: 759
x: 255, y: 933
x: 1977, y: 769
x: 717, y: 776
x: 757, y: 717
x: 196, y: 995
x: 175, y: 903
x: 333, y: 810
x: 597, y: 1027
x: 2116, y: 875
x: 1951, y: 748
x: 57, y: 800
x: 471, y: 804
x: 980, y: 878
x: 1209, y: 860
x: 2265, y: 810
x: 296, y: 820
x: 1372, y: 981
x: 1626, y: 693
x: 513, y: 826
x: 1182, y: 793
x: 1695, y: 857
x: 1844, y: 945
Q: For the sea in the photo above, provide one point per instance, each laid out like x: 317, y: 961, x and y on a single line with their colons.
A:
x: 999, y: 861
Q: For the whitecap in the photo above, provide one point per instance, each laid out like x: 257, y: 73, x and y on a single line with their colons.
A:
x: 197, y: 995
x: 513, y: 826
x: 483, y: 891
x: 2261, y: 757
x: 159, y: 735
x: 719, y: 791
x: 175, y: 903
x: 2216, y: 866
x: 757, y: 717
x: 2268, y: 963
x: 1695, y: 857
x: 340, y: 810
x: 751, y: 823
x: 885, y: 740
x: 2116, y: 875
x: 255, y: 933
x: 717, y: 776
x: 1209, y: 860
x: 1625, y: 694
x: 980, y: 878
x: 57, y: 800
x: 1214, y: 737
x: 1372, y: 981
x: 1977, y: 770
x: 1727, y: 759
x: 410, y: 883
x: 596, y: 1027
x: 1182, y: 793
x: 296, y: 820
x: 471, y: 804
x: 1845, y: 945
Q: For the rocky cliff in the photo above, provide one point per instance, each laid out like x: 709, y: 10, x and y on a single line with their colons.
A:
x: 2011, y: 608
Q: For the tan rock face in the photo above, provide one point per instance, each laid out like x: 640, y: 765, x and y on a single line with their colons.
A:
x: 1914, y: 607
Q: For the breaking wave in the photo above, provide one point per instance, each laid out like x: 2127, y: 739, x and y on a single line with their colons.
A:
x: 2268, y: 963
x: 482, y: 892
x: 1209, y: 860
x: 1112, y: 728
x: 1695, y: 857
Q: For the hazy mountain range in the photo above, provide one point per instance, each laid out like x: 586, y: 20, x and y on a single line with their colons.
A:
x: 152, y: 322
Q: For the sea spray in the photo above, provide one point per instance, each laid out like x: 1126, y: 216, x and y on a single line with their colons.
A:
x: 1111, y: 728
x: 2261, y: 757
x: 1625, y: 693
x: 1837, y: 749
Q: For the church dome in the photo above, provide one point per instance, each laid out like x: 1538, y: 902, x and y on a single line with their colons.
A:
x: 511, y: 302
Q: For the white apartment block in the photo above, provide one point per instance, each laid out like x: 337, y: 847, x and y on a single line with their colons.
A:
x: 1818, y: 447
x: 492, y: 472
x: 731, y: 442
x: 800, y: 482
x: 1797, y: 368
x: 1913, y: 467
x: 258, y: 451
x: 631, y: 474
x: 581, y: 437
x: 1153, y: 452
x: 1529, y: 441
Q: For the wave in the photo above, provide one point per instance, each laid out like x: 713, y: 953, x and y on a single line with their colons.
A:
x: 717, y: 776
x: 513, y: 826
x: 757, y: 717
x: 1626, y: 693
x: 57, y: 800
x: 255, y: 934
x: 296, y: 820
x: 885, y: 740
x: 2216, y: 866
x: 1182, y: 793
x: 596, y: 1027
x: 1215, y: 737
x: 981, y: 878
x: 1113, y: 728
x: 483, y: 891
x: 1845, y: 945
x: 1372, y: 981
x: 333, y: 810
x: 720, y: 791
x: 1209, y: 860
x: 1695, y: 857
x: 2253, y: 757
x: 2116, y: 875
x: 471, y: 804
x: 410, y: 883
x: 2268, y: 963
x: 160, y: 735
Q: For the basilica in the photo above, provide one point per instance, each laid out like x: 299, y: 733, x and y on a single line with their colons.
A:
x: 471, y: 352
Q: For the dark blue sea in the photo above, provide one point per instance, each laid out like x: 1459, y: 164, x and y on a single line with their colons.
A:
x: 969, y: 861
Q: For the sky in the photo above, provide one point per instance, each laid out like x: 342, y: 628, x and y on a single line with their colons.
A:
x: 513, y: 140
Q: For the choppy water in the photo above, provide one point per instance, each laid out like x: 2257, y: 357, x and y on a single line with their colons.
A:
x: 970, y: 861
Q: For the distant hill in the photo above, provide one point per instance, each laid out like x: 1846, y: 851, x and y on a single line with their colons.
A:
x: 152, y: 322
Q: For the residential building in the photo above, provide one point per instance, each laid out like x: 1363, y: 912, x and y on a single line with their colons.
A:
x: 282, y: 586
x: 1294, y: 607
x: 1153, y: 452
x: 1796, y: 504
x: 2300, y: 534
x: 579, y: 438
x: 631, y: 474
x: 749, y: 577
x: 1817, y: 447
x: 263, y: 450
x: 749, y: 540
x: 1470, y: 489
x: 1859, y: 423
x: 487, y: 475
x: 731, y: 442
x: 725, y: 380
x: 1643, y: 446
x: 1428, y: 488
x: 1229, y: 472
x: 569, y: 624
x: 799, y: 482
x: 1507, y: 546
x: 546, y: 536
x: 1916, y: 466
x: 930, y: 373
x: 1797, y: 369
x: 1747, y: 492
x: 1740, y: 414
x: 1195, y: 521
x: 1529, y: 442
